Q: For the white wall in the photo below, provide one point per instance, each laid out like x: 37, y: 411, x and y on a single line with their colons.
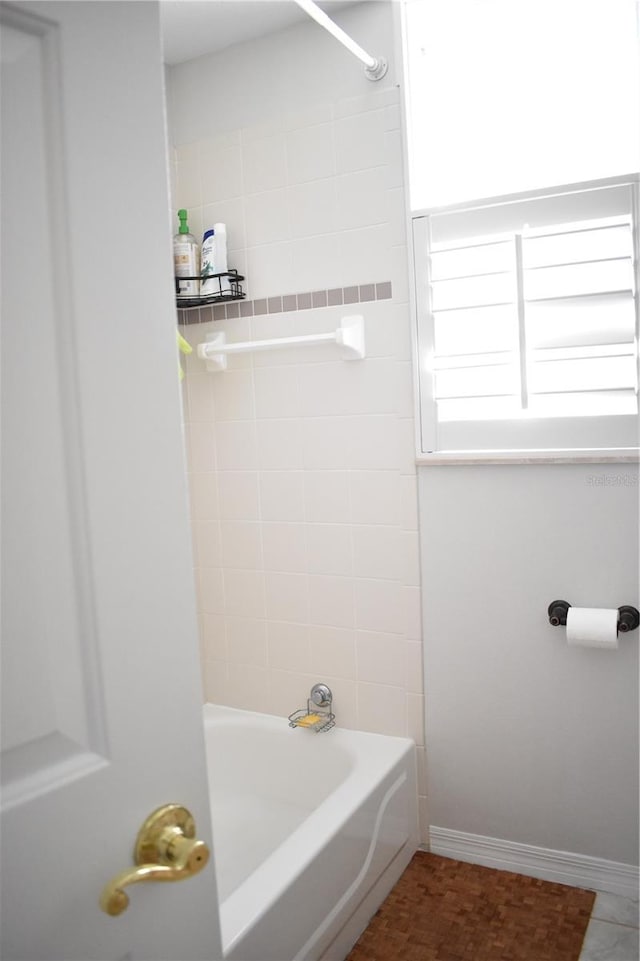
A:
x: 302, y: 469
x: 528, y: 739
x: 288, y: 72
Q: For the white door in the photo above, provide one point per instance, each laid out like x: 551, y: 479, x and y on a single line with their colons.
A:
x: 101, y: 688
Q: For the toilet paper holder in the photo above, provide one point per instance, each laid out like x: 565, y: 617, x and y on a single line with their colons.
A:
x: 628, y: 617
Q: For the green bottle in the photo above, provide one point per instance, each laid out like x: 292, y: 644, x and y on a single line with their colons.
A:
x: 186, y: 258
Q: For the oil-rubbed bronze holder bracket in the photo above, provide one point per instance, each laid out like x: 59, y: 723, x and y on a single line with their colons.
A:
x: 628, y: 617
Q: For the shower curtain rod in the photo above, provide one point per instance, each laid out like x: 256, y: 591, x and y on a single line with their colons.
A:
x: 374, y: 67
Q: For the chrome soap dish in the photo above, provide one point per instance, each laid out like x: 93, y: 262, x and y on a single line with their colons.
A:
x: 318, y: 715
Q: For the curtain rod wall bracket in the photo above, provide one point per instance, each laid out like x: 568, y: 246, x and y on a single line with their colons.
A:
x: 378, y: 70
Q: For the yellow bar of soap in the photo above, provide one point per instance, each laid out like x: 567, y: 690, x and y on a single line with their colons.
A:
x: 308, y: 720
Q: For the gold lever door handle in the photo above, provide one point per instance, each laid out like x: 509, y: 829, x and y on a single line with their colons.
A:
x: 166, y: 850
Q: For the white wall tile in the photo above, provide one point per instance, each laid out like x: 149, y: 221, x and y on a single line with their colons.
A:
x: 375, y: 497
x: 267, y: 128
x: 399, y: 272
x: 317, y: 263
x: 371, y: 386
x: 264, y: 164
x: 326, y: 497
x: 248, y: 687
x: 312, y: 208
x: 382, y: 709
x: 233, y: 395
x: 324, y: 390
x: 309, y: 115
x: 200, y: 393
x: 381, y: 658
x: 410, y: 549
x: 241, y: 544
x: 310, y: 153
x: 282, y: 496
x: 423, y: 820
x: 284, y: 547
x: 220, y: 171
x: 288, y: 646
x: 215, y: 680
x: 332, y: 651
x: 267, y: 217
x: 415, y: 718
x: 287, y: 597
x: 202, y: 451
x: 409, y: 502
x: 270, y: 270
x: 394, y: 163
x: 208, y: 543
x: 244, y: 593
x: 339, y: 388
x: 211, y: 596
x: 405, y: 400
x: 327, y: 443
x: 365, y: 254
x: 374, y: 99
x: 188, y: 191
x: 204, y: 496
x: 421, y: 766
x: 329, y: 549
x: 414, y: 681
x: 238, y: 495
x: 280, y: 444
x: 377, y: 552
x: 378, y: 605
x: 236, y: 445
x: 331, y: 601
x: 396, y: 215
x: 393, y: 117
x: 344, y: 705
x: 361, y: 199
x: 214, y: 636
x: 276, y: 391
x: 246, y: 640
x: 374, y: 442
x: 270, y: 327
x: 411, y: 602
x: 288, y: 691
x: 360, y: 141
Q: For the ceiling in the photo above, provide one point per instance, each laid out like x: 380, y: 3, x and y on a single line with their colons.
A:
x: 191, y: 28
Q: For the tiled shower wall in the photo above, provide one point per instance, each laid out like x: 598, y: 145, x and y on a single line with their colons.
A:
x: 303, y: 482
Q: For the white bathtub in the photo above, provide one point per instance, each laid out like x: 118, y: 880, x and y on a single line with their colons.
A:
x: 310, y: 832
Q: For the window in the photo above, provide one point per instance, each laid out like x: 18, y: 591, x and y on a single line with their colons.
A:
x: 526, y: 292
x: 528, y: 314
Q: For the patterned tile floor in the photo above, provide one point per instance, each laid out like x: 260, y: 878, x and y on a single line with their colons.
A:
x: 612, y: 934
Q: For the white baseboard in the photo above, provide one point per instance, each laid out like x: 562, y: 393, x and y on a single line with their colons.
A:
x: 578, y: 870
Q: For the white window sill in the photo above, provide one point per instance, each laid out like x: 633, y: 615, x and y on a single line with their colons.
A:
x: 452, y: 458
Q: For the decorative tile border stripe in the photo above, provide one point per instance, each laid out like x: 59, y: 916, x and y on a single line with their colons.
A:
x: 310, y: 300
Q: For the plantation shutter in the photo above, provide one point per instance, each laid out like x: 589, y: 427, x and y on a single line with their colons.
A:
x: 528, y: 338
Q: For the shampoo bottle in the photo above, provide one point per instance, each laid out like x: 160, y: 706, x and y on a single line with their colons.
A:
x: 220, y: 234
x: 186, y: 259
x: 211, y: 286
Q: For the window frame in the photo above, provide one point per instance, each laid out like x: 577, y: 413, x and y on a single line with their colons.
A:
x: 426, y: 413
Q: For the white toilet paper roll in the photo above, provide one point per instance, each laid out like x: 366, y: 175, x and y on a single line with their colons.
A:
x: 593, y: 627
